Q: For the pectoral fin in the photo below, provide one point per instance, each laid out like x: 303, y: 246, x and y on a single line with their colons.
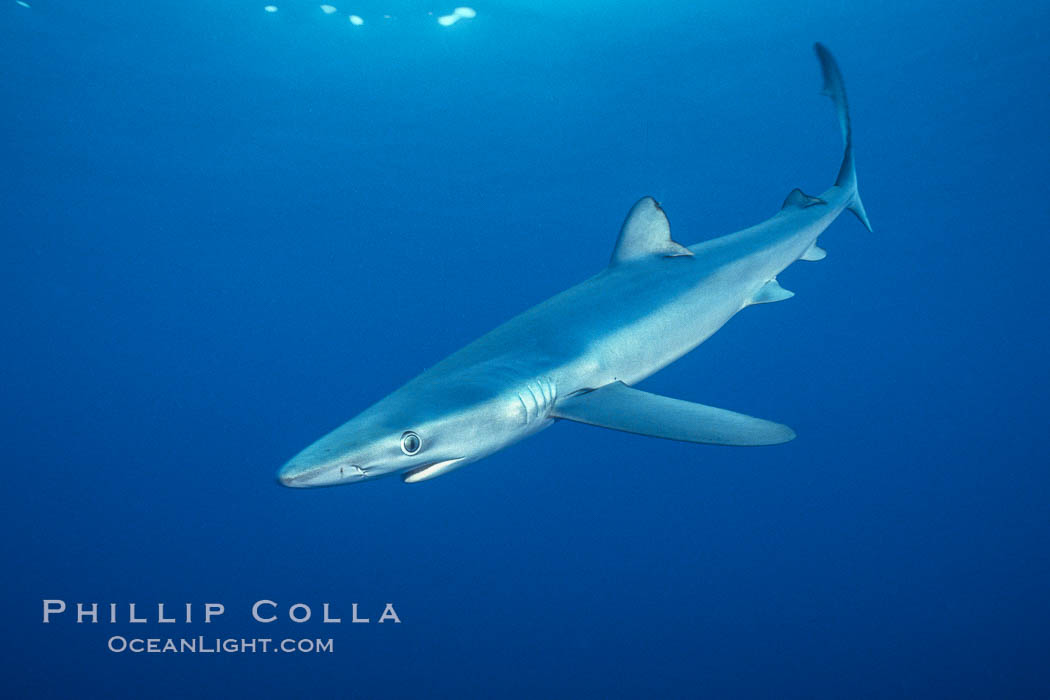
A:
x: 619, y: 407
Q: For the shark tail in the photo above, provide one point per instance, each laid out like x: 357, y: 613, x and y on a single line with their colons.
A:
x: 836, y: 90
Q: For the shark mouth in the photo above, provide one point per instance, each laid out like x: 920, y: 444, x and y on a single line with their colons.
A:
x: 429, y: 471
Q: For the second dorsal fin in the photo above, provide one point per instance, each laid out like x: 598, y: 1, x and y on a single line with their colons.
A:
x: 646, y: 232
x: 798, y: 198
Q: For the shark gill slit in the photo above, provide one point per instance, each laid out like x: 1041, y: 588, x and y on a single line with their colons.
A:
x: 524, y: 408
x: 542, y: 393
x: 535, y: 401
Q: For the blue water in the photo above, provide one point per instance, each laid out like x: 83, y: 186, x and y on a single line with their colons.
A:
x: 226, y: 231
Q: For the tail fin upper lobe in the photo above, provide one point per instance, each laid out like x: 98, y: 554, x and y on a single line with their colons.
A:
x: 836, y: 90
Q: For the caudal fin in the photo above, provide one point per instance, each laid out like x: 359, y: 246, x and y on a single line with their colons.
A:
x: 836, y: 90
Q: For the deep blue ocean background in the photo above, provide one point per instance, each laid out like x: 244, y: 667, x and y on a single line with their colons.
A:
x: 225, y: 232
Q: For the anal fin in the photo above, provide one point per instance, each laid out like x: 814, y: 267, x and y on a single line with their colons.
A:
x: 771, y: 291
x: 814, y: 253
x: 620, y: 407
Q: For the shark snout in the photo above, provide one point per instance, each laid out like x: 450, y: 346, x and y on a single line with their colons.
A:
x: 297, y: 475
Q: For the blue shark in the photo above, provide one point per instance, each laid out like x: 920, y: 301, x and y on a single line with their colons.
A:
x: 577, y: 356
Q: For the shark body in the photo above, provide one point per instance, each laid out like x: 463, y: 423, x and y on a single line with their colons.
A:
x: 576, y: 355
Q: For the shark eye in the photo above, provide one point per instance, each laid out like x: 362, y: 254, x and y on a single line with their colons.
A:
x: 410, y: 443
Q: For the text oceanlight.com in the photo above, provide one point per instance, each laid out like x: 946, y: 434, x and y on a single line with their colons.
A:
x: 261, y: 612
x: 216, y: 645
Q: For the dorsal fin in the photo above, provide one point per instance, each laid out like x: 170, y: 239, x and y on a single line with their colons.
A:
x: 646, y: 232
x: 798, y: 198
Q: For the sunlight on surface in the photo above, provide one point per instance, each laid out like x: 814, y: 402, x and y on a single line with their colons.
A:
x: 457, y: 14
